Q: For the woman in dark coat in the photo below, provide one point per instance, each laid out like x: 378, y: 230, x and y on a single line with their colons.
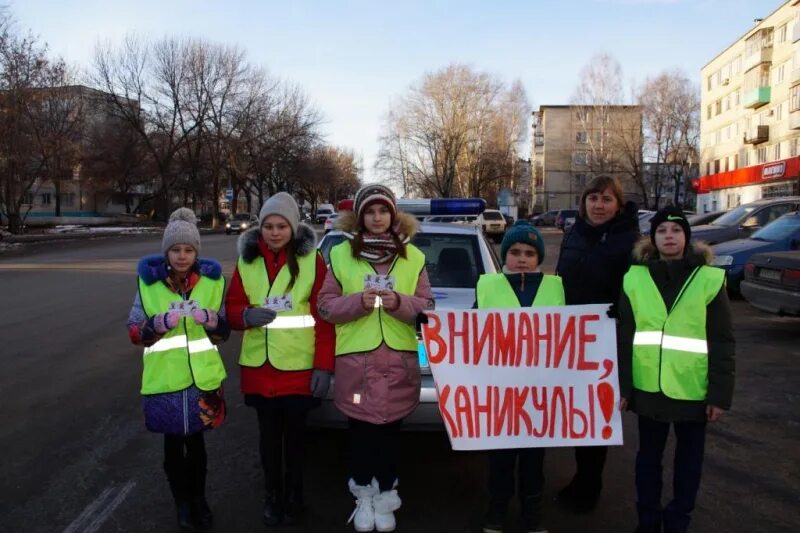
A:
x: 595, y: 255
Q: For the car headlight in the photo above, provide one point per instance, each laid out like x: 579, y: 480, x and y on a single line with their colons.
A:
x: 227, y: 225
x: 243, y: 225
x: 723, y: 260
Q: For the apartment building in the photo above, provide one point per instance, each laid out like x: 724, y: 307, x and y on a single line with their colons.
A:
x: 573, y: 144
x: 750, y: 115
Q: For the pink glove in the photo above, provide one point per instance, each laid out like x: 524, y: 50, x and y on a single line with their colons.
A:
x: 164, y: 322
x: 207, y: 318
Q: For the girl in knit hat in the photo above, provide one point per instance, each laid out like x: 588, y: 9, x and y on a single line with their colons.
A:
x: 177, y: 316
x: 287, y: 352
x: 676, y: 362
x: 519, y: 285
x: 376, y: 287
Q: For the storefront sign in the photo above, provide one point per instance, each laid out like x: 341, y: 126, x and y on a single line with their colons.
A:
x: 773, y: 170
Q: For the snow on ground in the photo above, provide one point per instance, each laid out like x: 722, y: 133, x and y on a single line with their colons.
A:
x: 75, y: 228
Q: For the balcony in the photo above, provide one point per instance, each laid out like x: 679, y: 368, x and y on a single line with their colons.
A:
x: 757, y: 97
x: 756, y: 135
x: 794, y: 120
x: 764, y: 55
x: 794, y: 76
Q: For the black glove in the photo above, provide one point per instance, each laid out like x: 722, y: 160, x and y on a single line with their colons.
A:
x: 612, y: 311
x: 255, y: 317
x: 320, y: 382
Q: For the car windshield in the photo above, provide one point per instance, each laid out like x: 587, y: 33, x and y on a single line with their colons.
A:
x: 492, y: 215
x: 452, y: 261
x: 731, y: 218
x: 241, y: 216
x: 779, y: 230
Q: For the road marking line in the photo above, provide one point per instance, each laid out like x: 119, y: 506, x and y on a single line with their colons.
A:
x: 98, y: 508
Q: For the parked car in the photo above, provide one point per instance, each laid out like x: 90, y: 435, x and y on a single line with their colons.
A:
x: 493, y: 224
x: 772, y: 282
x: 455, y: 256
x: 545, y: 219
x: 563, y: 215
x: 704, y: 218
x: 781, y: 235
x: 742, y: 221
x: 509, y: 220
x: 322, y: 213
x: 471, y: 220
x: 240, y: 222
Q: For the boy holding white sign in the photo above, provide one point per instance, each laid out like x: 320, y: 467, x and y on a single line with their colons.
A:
x: 676, y: 361
x: 519, y: 285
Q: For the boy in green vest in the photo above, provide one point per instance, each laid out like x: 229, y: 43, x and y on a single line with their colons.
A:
x: 519, y: 285
x: 676, y: 362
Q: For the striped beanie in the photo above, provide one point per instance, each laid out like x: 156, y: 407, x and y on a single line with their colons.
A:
x: 374, y: 192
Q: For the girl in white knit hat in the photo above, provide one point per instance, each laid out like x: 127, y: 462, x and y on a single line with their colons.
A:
x: 177, y: 316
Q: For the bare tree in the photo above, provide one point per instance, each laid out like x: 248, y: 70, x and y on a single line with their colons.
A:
x: 611, y: 129
x: 145, y: 84
x: 455, y: 133
x: 39, y: 122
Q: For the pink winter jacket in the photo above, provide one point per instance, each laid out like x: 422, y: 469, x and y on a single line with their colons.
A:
x: 383, y: 385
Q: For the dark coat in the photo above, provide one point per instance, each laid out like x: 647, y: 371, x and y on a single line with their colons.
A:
x: 669, y: 277
x: 593, y: 259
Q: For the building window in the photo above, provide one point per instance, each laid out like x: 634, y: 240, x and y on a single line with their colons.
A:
x: 737, y: 97
x: 709, y: 82
x: 718, y: 136
x: 45, y: 198
x: 794, y: 99
x: 717, y: 107
x: 582, y: 137
x: 779, y: 112
x: 782, y: 34
x: 735, y: 161
x: 708, y: 111
x: 793, y: 144
x: 727, y: 102
x: 761, y: 155
x: 582, y: 114
x: 68, y: 198
x: 777, y: 151
x: 716, y: 166
x: 581, y: 158
x: 728, y: 132
x: 746, y: 158
x: 779, y: 73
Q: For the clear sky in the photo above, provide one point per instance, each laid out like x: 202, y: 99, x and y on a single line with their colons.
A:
x: 354, y: 57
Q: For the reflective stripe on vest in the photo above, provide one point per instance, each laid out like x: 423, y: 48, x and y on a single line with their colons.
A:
x: 185, y: 354
x: 369, y: 332
x: 288, y: 341
x: 670, y: 351
x: 495, y: 291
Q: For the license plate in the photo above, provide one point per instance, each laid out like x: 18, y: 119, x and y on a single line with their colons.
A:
x: 768, y: 273
x: 495, y: 226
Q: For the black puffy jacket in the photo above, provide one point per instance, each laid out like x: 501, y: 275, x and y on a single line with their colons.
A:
x: 593, y: 259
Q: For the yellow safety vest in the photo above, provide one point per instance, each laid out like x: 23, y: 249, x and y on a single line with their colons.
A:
x: 495, y: 291
x: 367, y: 333
x: 288, y: 341
x: 670, y: 351
x: 185, y: 354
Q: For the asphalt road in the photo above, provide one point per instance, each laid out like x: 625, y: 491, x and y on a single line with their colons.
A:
x: 76, y: 456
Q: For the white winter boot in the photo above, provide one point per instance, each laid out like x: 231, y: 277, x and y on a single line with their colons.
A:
x: 363, y: 516
x: 385, y: 503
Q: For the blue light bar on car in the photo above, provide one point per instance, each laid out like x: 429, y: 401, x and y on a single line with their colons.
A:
x: 442, y: 206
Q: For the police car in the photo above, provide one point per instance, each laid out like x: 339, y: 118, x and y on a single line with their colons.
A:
x: 455, y: 256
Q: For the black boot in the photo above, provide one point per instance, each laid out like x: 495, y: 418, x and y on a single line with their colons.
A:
x: 495, y: 517
x: 201, y: 512
x: 273, y: 511
x: 294, y: 509
x: 531, y: 514
x: 176, y: 475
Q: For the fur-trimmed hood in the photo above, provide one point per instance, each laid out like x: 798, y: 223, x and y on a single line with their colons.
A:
x: 153, y: 268
x: 404, y: 223
x: 699, y: 252
x: 305, y: 242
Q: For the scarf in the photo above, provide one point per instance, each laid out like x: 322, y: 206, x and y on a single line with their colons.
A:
x: 378, y: 248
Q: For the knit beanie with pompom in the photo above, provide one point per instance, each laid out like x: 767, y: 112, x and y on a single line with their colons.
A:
x: 181, y: 229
